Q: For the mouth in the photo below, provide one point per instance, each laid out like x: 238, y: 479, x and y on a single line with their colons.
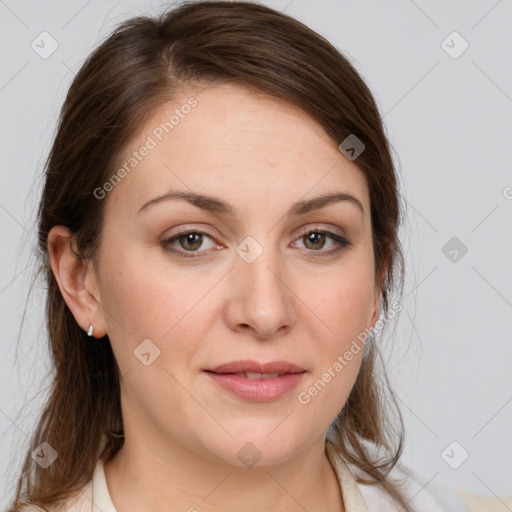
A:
x: 257, y: 382
x: 249, y: 367
x: 252, y: 375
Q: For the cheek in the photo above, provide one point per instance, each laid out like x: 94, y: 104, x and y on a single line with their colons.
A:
x: 345, y: 306
x: 344, y: 303
x: 344, y: 311
x: 346, y: 315
x: 147, y: 299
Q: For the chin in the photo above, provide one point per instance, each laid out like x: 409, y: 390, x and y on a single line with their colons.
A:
x: 256, y: 447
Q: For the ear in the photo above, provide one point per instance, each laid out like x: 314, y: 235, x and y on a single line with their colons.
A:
x: 379, y: 283
x: 77, y: 281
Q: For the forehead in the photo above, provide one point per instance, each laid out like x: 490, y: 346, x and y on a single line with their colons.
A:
x: 228, y: 141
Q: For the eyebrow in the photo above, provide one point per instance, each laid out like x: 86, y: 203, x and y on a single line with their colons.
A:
x: 216, y: 205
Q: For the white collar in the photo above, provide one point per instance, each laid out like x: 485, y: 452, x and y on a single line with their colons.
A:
x: 352, y: 499
x: 102, y: 502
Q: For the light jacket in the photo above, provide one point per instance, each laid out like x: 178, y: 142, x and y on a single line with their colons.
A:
x: 423, y: 496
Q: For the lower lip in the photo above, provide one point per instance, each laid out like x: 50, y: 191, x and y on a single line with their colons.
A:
x: 257, y: 390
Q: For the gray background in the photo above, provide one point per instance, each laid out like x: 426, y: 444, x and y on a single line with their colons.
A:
x: 449, y: 119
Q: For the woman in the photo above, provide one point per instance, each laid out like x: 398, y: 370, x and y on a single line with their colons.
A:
x: 218, y: 230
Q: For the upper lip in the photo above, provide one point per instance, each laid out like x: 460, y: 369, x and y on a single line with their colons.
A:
x: 256, y: 367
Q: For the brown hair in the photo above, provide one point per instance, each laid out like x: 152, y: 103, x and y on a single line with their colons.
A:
x: 138, y: 68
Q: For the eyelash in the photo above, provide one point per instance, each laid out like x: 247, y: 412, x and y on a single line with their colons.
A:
x: 342, y: 243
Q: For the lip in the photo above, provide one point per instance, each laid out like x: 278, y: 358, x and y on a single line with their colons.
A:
x: 248, y: 365
x: 257, y: 390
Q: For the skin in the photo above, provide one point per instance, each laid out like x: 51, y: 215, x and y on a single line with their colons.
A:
x: 182, y: 431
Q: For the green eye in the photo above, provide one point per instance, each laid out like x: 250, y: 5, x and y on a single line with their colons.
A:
x: 314, y: 240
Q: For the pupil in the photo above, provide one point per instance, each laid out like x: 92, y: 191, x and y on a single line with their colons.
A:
x: 312, y: 236
x: 193, y: 239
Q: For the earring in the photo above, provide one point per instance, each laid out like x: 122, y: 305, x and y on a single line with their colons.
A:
x: 91, y: 329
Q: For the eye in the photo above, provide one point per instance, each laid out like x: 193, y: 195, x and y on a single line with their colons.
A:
x: 189, y: 241
x: 315, y: 240
x: 192, y: 240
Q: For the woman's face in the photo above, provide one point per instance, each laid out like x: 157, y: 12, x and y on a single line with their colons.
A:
x: 247, y: 283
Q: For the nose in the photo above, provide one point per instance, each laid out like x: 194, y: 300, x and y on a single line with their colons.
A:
x: 262, y: 301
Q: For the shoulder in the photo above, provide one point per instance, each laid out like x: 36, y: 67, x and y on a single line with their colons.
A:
x: 421, y: 492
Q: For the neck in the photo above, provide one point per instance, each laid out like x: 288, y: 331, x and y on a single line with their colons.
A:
x: 142, y: 476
